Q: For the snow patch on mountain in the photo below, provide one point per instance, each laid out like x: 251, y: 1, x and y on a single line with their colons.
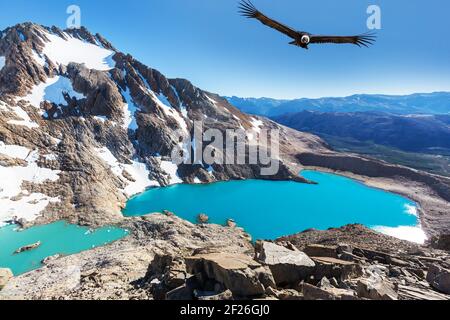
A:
x: 256, y: 128
x: 25, y: 119
x: 163, y: 103
x: 55, y: 91
x: 101, y: 119
x: 130, y: 109
x: 412, y: 234
x: 140, y: 173
x: 14, y: 151
x: 2, y: 62
x: 37, y: 94
x: 214, y: 102
x: 183, y: 108
x: 52, y: 90
x: 63, y: 52
x: 39, y: 59
x: 257, y: 124
x: 32, y: 172
x: 17, y: 203
x: 171, y: 169
x: 50, y: 157
x: 184, y: 111
x: 163, y: 99
x: 27, y: 207
x: 136, y: 169
x: 412, y: 210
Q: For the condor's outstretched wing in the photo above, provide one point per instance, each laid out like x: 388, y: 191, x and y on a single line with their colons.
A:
x: 247, y: 9
x: 361, y: 40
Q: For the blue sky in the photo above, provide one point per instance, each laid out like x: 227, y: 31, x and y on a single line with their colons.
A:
x: 207, y: 42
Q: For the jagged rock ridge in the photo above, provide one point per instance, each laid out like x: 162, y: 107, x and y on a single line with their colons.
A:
x: 84, y: 126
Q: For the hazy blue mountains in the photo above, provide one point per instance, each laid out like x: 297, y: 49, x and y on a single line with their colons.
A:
x: 429, y: 103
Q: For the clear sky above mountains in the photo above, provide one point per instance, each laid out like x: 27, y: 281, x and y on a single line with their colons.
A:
x: 207, y: 42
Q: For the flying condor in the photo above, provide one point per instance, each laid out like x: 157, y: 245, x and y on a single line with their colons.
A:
x: 302, y: 38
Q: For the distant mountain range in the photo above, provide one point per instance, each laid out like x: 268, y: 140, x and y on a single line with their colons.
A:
x: 420, y: 103
x: 412, y: 133
x: 411, y: 130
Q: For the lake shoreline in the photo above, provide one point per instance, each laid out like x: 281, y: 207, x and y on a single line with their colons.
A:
x: 390, y: 185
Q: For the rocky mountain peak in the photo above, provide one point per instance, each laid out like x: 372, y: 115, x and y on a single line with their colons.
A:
x: 104, y: 126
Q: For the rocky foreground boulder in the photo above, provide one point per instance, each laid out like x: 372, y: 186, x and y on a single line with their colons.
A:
x: 287, y: 266
x: 439, y: 278
x: 441, y: 242
x: 327, y: 292
x: 238, y: 273
x: 377, y: 288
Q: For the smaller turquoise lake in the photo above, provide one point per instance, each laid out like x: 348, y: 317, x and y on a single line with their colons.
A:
x: 269, y: 209
x: 56, y: 238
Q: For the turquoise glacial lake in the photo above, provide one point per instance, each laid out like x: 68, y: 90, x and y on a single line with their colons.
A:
x: 268, y: 209
x: 56, y: 238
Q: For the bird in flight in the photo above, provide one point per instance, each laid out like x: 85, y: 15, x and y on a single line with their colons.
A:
x: 301, y: 38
